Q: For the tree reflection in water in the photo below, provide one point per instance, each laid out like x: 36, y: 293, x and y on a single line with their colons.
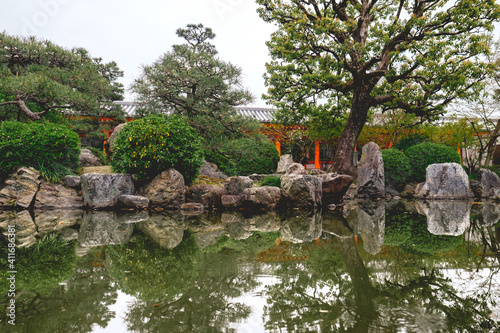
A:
x: 402, y: 287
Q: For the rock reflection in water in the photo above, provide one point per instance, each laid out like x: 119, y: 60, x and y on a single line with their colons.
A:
x: 25, y: 227
x: 301, y: 227
x: 165, y: 230
x: 491, y: 214
x: 103, y: 228
x: 48, y: 221
x: 449, y: 218
x: 371, y: 225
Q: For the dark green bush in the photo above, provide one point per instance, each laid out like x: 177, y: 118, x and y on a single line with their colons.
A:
x: 271, y: 181
x: 155, y: 143
x: 243, y: 157
x: 424, y: 154
x: 50, y: 148
x: 410, y: 141
x: 396, y: 167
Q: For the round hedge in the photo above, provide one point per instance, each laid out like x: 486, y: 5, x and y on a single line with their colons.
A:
x: 427, y: 153
x: 246, y: 156
x: 396, y: 166
x: 155, y: 143
x: 52, y: 149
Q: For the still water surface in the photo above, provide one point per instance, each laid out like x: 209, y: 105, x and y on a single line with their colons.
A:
x: 368, y: 267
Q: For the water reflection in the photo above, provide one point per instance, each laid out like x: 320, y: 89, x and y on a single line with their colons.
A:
x: 366, y: 267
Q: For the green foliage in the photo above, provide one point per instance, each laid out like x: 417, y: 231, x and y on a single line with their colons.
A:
x: 155, y: 143
x: 271, y: 181
x: 410, y: 141
x: 409, y: 232
x: 41, y: 267
x: 424, y: 154
x: 396, y: 166
x: 190, y: 80
x: 37, y: 77
x: 245, y: 156
x: 345, y: 58
x: 143, y: 268
x: 52, y: 149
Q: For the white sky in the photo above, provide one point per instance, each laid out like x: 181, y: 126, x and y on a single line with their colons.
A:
x: 134, y: 33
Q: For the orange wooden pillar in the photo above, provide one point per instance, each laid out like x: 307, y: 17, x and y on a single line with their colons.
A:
x: 316, y: 154
x: 278, y: 147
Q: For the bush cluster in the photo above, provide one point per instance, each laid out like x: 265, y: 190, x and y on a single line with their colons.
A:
x: 427, y: 153
x: 396, y: 167
x: 50, y: 148
x: 155, y: 143
x: 246, y: 156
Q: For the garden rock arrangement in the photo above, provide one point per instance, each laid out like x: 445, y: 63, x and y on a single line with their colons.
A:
x: 444, y: 181
x: 88, y: 159
x: 101, y: 191
x: 371, y: 177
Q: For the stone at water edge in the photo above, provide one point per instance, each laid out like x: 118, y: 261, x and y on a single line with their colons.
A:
x: 101, y: 191
x: 210, y: 196
x: 335, y: 187
x: 55, y: 196
x: 20, y: 188
x: 301, y: 192
x: 166, y: 190
x: 371, y: 176
x: 262, y: 198
x: 133, y: 202
x: 444, y: 181
x: 488, y: 181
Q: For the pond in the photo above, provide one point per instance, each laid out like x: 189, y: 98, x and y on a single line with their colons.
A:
x: 365, y: 267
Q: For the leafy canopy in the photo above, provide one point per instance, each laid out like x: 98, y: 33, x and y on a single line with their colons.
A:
x: 191, y: 80
x: 38, y: 76
x: 344, y: 56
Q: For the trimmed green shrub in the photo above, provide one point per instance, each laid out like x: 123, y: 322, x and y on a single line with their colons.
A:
x: 424, y: 154
x: 271, y: 181
x: 396, y: 167
x: 410, y: 141
x: 243, y: 157
x: 50, y: 148
x: 155, y: 143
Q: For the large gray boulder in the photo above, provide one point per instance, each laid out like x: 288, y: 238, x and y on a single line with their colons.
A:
x: 284, y: 162
x: 20, y: 188
x: 488, y: 181
x: 113, y: 136
x: 262, y: 198
x: 371, y: 176
x: 88, y: 159
x: 335, y: 187
x: 166, y: 190
x: 210, y: 170
x: 301, y: 191
x: 210, y: 196
x: 445, y: 181
x: 101, y: 191
x: 55, y: 196
x: 236, y: 185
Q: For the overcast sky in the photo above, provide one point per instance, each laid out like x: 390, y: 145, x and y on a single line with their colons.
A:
x: 134, y: 33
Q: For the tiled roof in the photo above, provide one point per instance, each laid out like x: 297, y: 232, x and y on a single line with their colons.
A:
x: 263, y: 115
